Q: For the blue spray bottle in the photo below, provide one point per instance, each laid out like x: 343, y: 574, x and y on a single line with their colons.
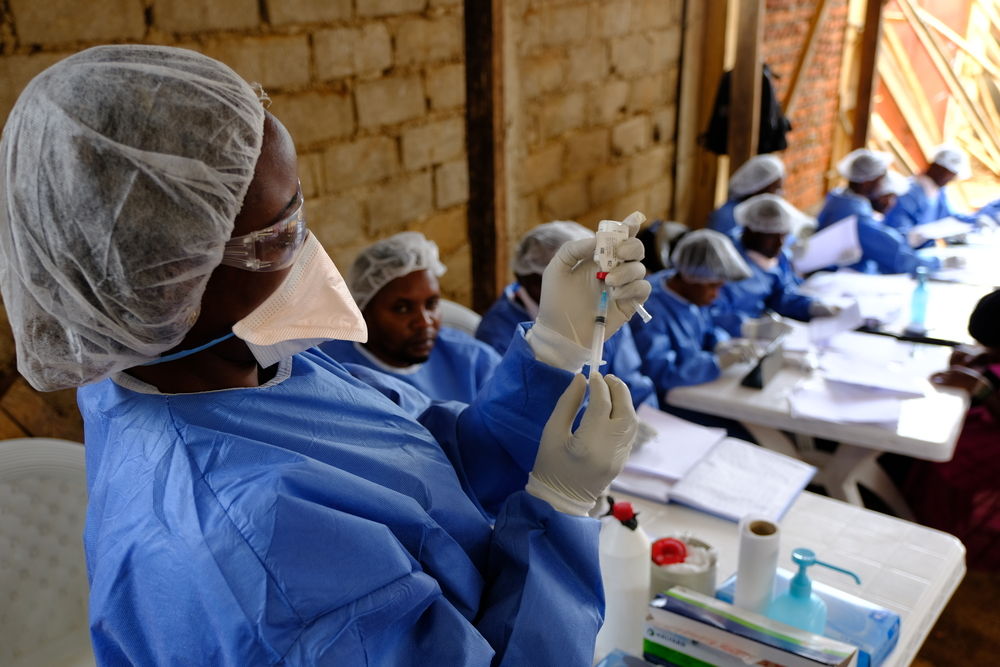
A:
x: 801, y: 607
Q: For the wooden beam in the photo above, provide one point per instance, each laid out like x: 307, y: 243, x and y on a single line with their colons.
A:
x: 744, y: 89
x: 866, y: 72
x: 805, y: 56
x: 487, y: 207
x: 955, y: 87
x: 702, y: 63
x: 958, y: 41
x: 912, y: 89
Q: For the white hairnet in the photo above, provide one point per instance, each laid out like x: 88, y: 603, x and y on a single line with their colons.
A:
x: 862, y: 165
x: 708, y: 256
x: 770, y: 214
x: 388, y: 259
x: 894, y: 183
x: 666, y: 233
x: 539, y: 246
x: 953, y: 159
x: 122, y: 169
x: 756, y: 174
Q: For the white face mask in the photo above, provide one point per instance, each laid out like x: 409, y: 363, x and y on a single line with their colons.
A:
x: 310, y: 306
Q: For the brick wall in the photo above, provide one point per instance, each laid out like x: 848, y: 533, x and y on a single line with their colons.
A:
x: 814, y: 118
x: 373, y: 92
x: 594, y: 92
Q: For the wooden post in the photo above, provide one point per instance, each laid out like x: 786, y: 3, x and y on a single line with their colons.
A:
x: 702, y: 63
x: 867, y: 72
x: 487, y: 207
x: 744, y: 90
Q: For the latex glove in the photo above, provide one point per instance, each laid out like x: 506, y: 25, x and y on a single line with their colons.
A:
x: 820, y: 309
x: 767, y: 327
x: 915, y: 238
x: 735, y: 351
x: 644, y: 433
x: 799, y: 249
x: 953, y: 262
x: 985, y: 222
x: 572, y: 470
x: 570, y: 292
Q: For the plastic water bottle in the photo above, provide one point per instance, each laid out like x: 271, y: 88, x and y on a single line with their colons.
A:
x: 625, y: 569
x: 918, y: 305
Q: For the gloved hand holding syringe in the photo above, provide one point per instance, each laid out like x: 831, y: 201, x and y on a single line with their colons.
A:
x: 610, y: 234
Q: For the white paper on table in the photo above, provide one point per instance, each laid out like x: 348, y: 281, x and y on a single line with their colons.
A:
x: 677, y: 446
x: 836, y: 245
x: 844, y: 404
x: 848, y: 319
x: 942, y: 229
x: 740, y: 479
x: 646, y: 486
x: 849, y: 369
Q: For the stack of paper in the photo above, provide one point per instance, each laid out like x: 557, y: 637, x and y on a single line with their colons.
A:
x: 844, y: 403
x: 700, y: 467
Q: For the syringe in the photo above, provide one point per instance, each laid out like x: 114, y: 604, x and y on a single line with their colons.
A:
x: 609, y: 234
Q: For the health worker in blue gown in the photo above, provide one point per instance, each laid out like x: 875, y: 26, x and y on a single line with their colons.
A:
x: 926, y: 199
x: 883, y: 249
x: 395, y: 284
x: 251, y: 500
x: 759, y: 175
x: 682, y: 344
x: 766, y: 220
x: 519, y: 303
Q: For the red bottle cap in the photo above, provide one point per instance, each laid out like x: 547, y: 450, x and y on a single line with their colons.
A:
x: 667, y: 550
x: 601, y: 275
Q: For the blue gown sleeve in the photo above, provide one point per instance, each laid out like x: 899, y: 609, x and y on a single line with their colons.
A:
x: 785, y: 298
x: 671, y: 357
x: 889, y: 251
x: 625, y: 363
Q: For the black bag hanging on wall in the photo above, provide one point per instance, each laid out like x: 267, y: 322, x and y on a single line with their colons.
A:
x: 773, y: 124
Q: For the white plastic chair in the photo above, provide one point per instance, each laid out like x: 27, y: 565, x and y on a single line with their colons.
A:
x: 43, y: 576
x: 457, y: 316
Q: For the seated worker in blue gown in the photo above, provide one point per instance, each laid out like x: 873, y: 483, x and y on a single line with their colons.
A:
x: 766, y: 220
x: 887, y: 193
x: 395, y: 284
x: 658, y: 239
x: 682, y: 344
x: 251, y: 500
x: 519, y: 303
x: 883, y: 249
x: 926, y: 199
x: 759, y: 175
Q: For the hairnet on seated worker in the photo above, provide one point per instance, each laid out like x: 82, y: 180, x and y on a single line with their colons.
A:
x: 756, y: 174
x: 667, y: 234
x: 983, y: 321
x: 770, y: 214
x: 708, y: 256
x: 539, y: 246
x: 862, y: 165
x: 894, y: 183
x: 388, y: 259
x: 953, y: 159
x: 122, y: 170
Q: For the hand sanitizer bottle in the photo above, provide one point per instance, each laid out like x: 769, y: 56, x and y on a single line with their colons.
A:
x: 625, y: 557
x: 918, y: 305
x: 800, y: 606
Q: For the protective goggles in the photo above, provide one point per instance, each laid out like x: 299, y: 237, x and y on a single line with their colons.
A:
x: 272, y: 248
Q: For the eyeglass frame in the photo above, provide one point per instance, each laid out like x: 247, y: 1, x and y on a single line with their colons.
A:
x: 241, y: 251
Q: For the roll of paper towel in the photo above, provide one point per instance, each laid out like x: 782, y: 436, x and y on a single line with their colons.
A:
x: 757, y: 564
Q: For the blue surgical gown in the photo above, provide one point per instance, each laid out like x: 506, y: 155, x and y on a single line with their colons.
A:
x: 723, y: 220
x: 677, y: 345
x: 914, y: 208
x: 501, y: 321
x: 458, y: 367
x: 766, y: 289
x: 334, y: 516
x: 883, y: 249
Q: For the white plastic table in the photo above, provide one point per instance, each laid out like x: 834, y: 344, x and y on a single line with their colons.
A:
x: 927, y: 429
x: 903, y: 566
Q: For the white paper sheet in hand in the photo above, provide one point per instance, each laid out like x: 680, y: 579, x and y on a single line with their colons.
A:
x: 822, y: 329
x: 844, y: 403
x: 678, y: 445
x: 942, y: 229
x: 836, y: 245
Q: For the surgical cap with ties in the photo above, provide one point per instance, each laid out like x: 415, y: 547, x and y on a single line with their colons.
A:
x: 123, y: 169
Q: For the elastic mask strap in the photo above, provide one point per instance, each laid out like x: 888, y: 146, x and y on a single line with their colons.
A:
x: 187, y: 353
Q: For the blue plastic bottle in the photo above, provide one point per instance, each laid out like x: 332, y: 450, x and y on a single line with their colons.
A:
x: 918, y: 305
x: 801, y: 607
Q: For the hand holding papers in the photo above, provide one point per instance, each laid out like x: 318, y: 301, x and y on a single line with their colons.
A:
x: 836, y: 245
x: 941, y: 229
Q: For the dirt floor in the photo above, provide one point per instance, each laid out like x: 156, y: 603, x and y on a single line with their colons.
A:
x: 968, y: 632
